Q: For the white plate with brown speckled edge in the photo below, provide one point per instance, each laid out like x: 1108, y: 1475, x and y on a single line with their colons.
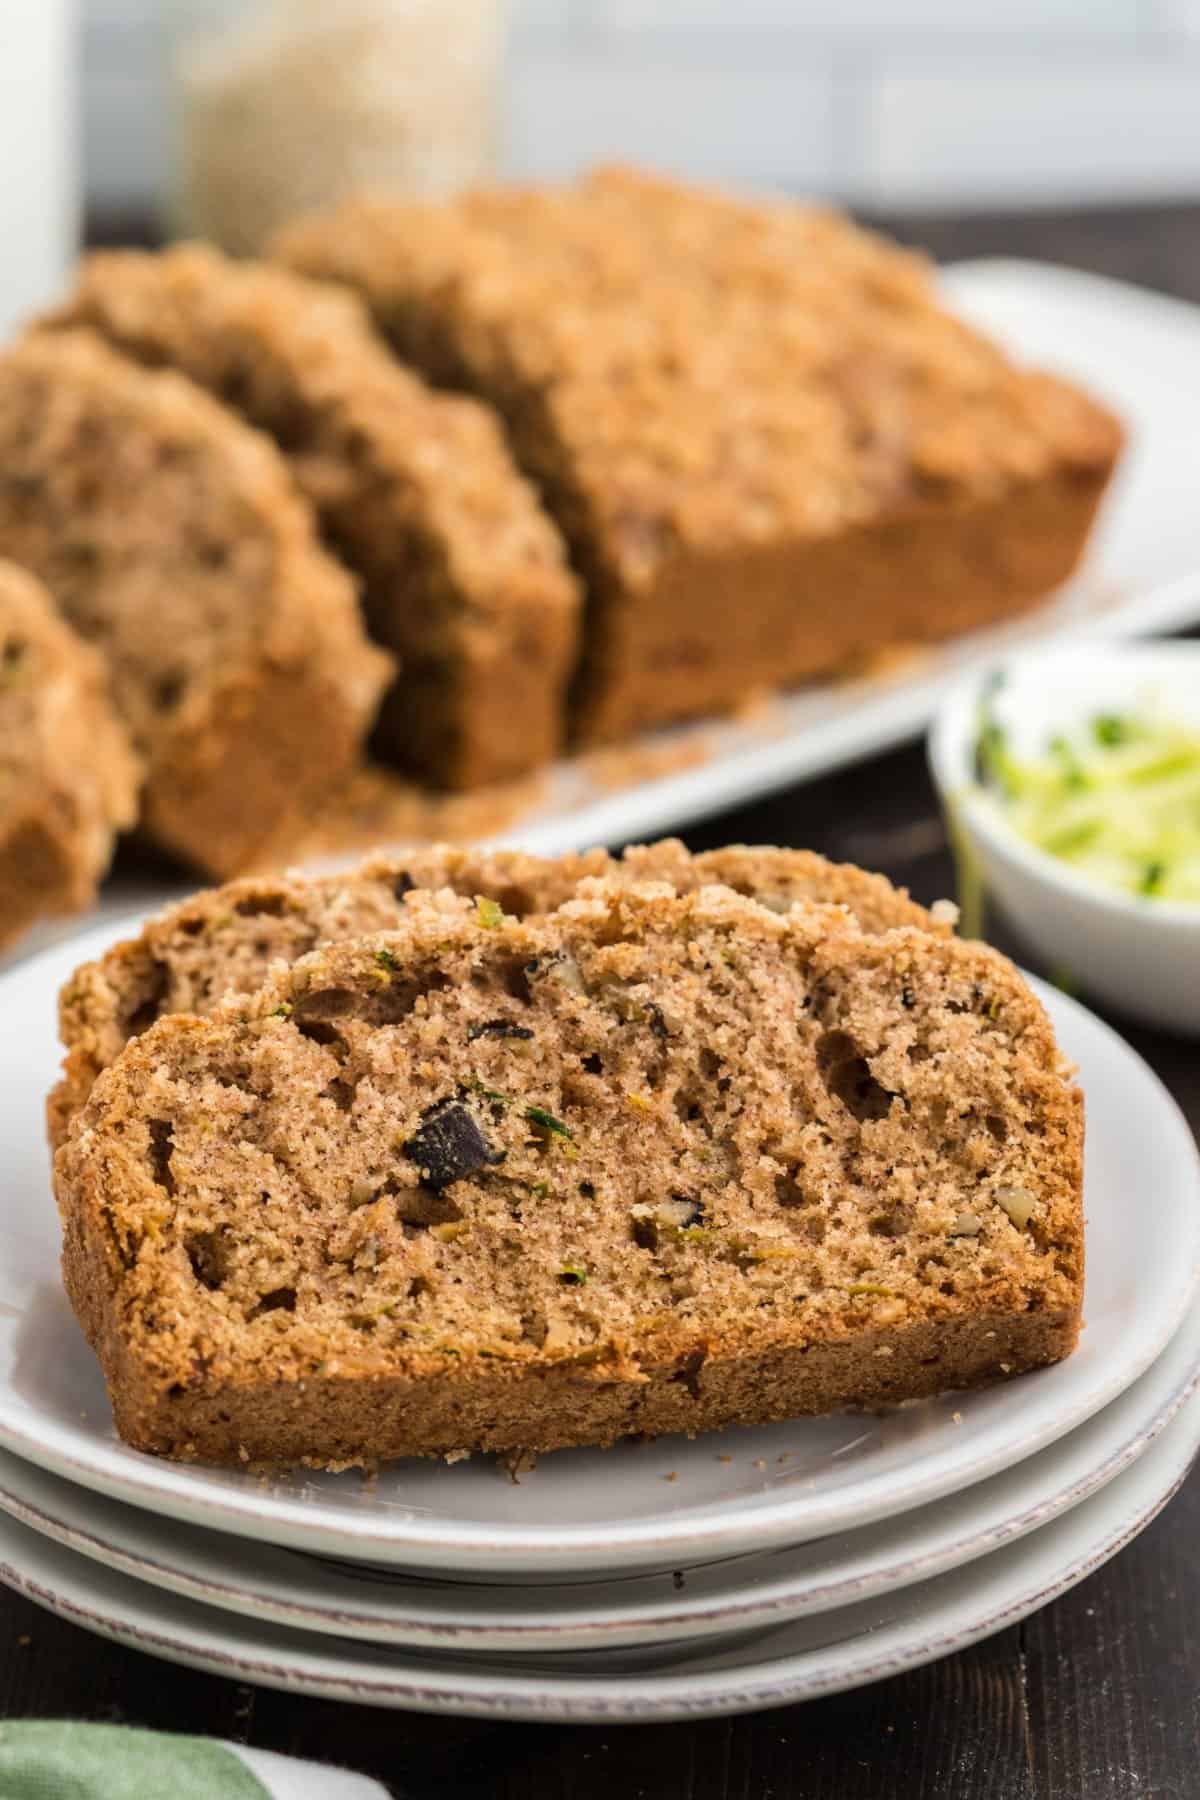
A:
x: 748, y: 1593
x: 822, y: 1654
x: 662, y: 1505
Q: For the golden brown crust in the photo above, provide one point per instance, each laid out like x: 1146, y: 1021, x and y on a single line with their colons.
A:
x: 513, y: 1410
x: 931, y: 573
x: 68, y: 776
x: 651, y: 1162
x: 464, y: 576
x: 736, y: 411
x: 173, y: 537
x: 191, y: 954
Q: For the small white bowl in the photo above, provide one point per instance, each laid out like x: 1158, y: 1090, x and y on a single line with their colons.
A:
x: 1141, y: 956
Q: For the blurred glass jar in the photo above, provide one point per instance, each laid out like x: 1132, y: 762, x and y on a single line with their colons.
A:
x: 39, y: 189
x: 280, y: 107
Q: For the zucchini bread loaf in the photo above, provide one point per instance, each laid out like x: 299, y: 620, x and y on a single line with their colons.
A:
x: 770, y: 447
x: 68, y: 776
x: 464, y: 576
x: 653, y: 1162
x: 172, y: 537
x: 191, y: 955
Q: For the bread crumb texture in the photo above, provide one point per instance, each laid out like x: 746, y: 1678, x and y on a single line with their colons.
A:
x: 226, y: 940
x: 173, y: 538
x: 654, y: 1161
x: 69, y: 778
x: 463, y: 575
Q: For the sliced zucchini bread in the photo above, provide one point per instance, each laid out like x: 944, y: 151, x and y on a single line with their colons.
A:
x: 652, y: 1162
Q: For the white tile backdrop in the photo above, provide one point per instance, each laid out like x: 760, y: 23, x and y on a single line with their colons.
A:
x: 902, y: 102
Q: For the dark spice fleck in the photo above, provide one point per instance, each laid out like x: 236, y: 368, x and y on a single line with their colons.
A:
x: 450, y: 1143
x: 498, y: 1028
x: 656, y: 1021
x: 688, y: 1371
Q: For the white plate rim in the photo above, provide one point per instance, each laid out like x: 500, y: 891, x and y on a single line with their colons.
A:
x: 646, y: 1542
x: 942, y: 1617
x: 23, y: 1497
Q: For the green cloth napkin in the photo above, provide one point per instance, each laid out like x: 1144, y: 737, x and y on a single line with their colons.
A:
x: 56, y: 1760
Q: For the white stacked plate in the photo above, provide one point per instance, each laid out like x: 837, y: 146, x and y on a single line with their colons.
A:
x: 677, y: 1578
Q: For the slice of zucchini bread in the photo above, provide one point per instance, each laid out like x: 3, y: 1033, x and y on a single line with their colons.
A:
x: 650, y: 1163
x: 226, y: 940
x: 463, y: 575
x: 172, y: 537
x: 69, y: 779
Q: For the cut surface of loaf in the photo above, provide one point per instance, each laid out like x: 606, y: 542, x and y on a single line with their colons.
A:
x: 191, y: 955
x: 376, y: 804
x: 173, y: 539
x: 68, y: 776
x: 464, y: 576
x: 769, y: 445
x: 649, y: 1163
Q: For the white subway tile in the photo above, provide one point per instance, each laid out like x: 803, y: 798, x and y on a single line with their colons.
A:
x: 112, y: 41
x: 771, y: 126
x: 1181, y: 16
x: 545, y: 22
x: 969, y: 134
x: 889, y: 20
x: 124, y: 135
x: 112, y: 14
x: 113, y: 25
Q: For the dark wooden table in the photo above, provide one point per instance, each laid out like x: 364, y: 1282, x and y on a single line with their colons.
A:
x: 1095, y: 1698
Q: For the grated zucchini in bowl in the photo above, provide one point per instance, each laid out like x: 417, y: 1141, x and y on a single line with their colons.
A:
x: 1117, y: 798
